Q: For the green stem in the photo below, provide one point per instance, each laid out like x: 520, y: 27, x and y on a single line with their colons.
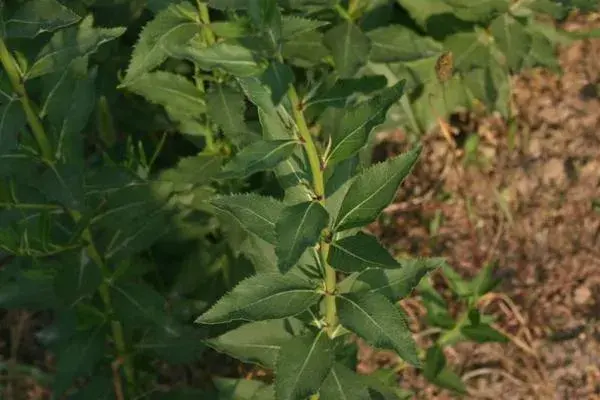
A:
x: 104, y: 290
x: 342, y: 12
x: 209, y: 35
x: 316, y: 169
x: 14, y: 75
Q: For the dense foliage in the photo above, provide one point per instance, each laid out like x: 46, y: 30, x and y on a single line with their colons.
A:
x: 177, y: 175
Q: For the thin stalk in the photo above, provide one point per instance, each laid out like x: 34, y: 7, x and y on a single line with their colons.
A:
x: 209, y: 35
x: 14, y: 75
x: 316, y: 169
x: 116, y: 327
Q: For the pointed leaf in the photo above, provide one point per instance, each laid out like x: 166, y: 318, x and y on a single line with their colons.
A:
x: 358, y: 122
x: 259, y: 156
x: 256, y: 214
x: 372, y: 190
x: 39, y: 16
x: 346, y: 89
x: 304, y: 363
x: 349, y: 46
x: 70, y: 43
x: 12, y: 120
x: 306, y: 49
x: 173, y: 25
x: 397, y: 43
x: 77, y: 277
x: 77, y: 357
x: 226, y: 107
x: 512, y: 38
x: 393, y: 283
x: 138, y: 304
x: 293, y: 26
x: 298, y: 228
x: 173, y: 342
x: 233, y: 58
x: 278, y: 77
x: 257, y: 342
x: 262, y: 297
x: 342, y: 383
x: 170, y: 90
x: 359, y: 252
x: 379, y: 322
x: 483, y: 333
x: 63, y: 183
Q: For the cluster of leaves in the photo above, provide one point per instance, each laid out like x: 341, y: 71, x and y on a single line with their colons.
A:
x: 124, y: 213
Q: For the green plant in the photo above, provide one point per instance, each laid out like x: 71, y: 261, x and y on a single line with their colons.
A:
x: 155, y: 155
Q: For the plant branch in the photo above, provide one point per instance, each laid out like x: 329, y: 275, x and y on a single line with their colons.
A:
x: 316, y: 169
x: 209, y: 35
x: 14, y: 75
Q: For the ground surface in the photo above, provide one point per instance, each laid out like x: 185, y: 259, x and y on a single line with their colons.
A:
x: 529, y: 208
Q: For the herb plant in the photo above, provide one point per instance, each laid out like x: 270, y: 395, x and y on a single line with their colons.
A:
x: 176, y: 175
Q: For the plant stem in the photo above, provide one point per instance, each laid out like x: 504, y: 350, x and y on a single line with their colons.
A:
x: 12, y: 71
x: 209, y: 35
x: 116, y: 327
x: 316, y: 169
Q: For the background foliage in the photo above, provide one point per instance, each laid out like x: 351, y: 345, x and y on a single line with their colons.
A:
x: 153, y: 157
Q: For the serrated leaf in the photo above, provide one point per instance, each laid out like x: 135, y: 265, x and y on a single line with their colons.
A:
x: 12, y: 121
x: 256, y: 214
x: 226, y: 107
x: 231, y: 29
x: 170, y: 90
x: 39, y: 16
x: 259, y: 156
x: 357, y: 123
x: 349, y: 47
x: 359, y: 252
x: 257, y: 342
x: 342, y: 383
x: 304, y: 363
x: 294, y: 26
x: 298, y: 228
x: 262, y: 297
x: 482, y: 11
x: 379, y: 322
x: 512, y: 39
x: 397, y: 43
x: 305, y: 50
x: 277, y: 77
x: 69, y: 44
x: 77, y: 358
x: 173, y: 25
x: 191, y: 171
x: 345, y: 89
x: 77, y: 277
x: 373, y: 190
x: 395, y: 283
x: 232, y: 58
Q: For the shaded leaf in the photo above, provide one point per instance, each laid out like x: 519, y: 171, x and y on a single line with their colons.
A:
x: 77, y: 277
x: 173, y: 25
x: 359, y: 252
x: 379, y: 322
x: 298, y: 228
x: 256, y: 342
x: 70, y: 43
x: 39, y: 16
x: 259, y: 156
x: 372, y: 190
x: 483, y: 333
x: 392, y: 283
x: 345, y: 89
x: 397, y: 43
x: 306, y: 49
x: 303, y: 364
x: 63, y: 183
x: 357, y: 123
x: 138, y: 304
x: 173, y: 342
x: 278, y: 77
x: 12, y: 121
x: 513, y: 40
x: 342, y: 383
x: 349, y: 46
x: 256, y: 214
x: 262, y: 297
